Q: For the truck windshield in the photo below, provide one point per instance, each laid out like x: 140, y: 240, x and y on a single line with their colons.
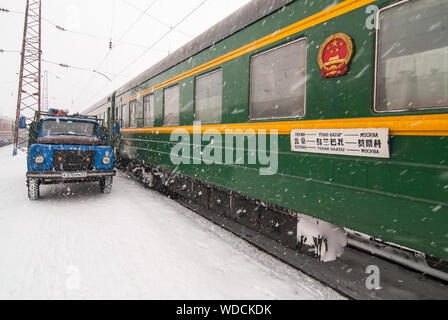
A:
x: 67, y: 127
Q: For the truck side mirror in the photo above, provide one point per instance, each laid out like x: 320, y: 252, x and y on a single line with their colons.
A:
x: 22, y: 123
x: 117, y: 127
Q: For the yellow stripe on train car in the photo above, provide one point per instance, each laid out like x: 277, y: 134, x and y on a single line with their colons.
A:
x: 420, y: 125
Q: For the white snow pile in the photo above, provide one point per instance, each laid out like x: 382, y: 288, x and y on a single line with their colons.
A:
x: 310, y: 229
x: 76, y: 243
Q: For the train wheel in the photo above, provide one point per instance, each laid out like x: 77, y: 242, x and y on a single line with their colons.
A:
x: 33, y: 189
x: 106, y: 184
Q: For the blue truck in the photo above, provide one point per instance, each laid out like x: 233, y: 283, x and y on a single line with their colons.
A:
x: 68, y: 149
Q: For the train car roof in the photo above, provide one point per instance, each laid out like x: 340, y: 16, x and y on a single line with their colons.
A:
x: 248, y: 14
x: 99, y: 104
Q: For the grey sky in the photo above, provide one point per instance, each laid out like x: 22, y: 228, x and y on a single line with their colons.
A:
x: 91, y: 23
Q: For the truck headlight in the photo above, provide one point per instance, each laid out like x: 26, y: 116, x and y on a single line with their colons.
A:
x: 106, y: 160
x: 39, y: 160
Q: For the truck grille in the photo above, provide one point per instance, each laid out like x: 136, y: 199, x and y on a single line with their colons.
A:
x: 73, y: 160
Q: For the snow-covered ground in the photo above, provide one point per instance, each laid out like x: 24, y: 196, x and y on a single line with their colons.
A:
x: 76, y: 243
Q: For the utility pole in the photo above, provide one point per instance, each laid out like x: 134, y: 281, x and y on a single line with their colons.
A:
x: 29, y: 95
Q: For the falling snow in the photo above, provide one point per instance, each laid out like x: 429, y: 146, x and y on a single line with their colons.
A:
x: 76, y: 243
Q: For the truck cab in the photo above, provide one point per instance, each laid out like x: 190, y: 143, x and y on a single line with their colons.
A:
x: 68, y: 149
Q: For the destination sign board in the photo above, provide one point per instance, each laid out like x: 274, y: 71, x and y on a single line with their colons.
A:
x: 368, y: 142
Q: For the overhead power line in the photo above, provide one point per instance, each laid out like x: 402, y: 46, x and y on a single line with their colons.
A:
x: 95, y: 36
x: 9, y: 51
x: 156, y: 42
x: 104, y: 74
x: 164, y: 35
x: 126, y: 32
x: 121, y: 38
x: 80, y: 33
x: 63, y: 65
x: 156, y: 19
x: 4, y: 10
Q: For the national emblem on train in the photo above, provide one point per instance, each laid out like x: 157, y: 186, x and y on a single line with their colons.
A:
x: 335, y: 55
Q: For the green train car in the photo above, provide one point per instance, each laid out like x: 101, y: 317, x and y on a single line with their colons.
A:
x: 316, y: 123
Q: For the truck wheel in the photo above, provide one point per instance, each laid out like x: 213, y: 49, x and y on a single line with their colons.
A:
x: 106, y: 184
x: 33, y: 189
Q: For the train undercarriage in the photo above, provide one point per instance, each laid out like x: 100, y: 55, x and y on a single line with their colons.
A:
x: 339, y: 257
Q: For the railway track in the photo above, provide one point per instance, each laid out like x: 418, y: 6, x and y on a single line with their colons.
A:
x: 347, y: 275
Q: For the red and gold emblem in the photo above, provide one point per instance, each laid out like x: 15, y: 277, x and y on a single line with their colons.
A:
x: 335, y: 55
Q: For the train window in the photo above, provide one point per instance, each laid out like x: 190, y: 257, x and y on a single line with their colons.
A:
x: 133, y: 114
x: 412, y: 55
x: 208, y: 98
x: 106, y: 118
x: 148, y: 110
x: 124, y: 116
x: 278, y: 81
x: 171, y: 106
x: 120, y: 117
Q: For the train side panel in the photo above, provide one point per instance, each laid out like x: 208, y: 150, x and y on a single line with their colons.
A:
x: 401, y: 200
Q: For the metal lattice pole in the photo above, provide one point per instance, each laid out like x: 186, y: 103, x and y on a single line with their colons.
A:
x: 29, y: 95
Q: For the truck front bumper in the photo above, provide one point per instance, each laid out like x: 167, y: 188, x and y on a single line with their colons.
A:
x: 68, y: 176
